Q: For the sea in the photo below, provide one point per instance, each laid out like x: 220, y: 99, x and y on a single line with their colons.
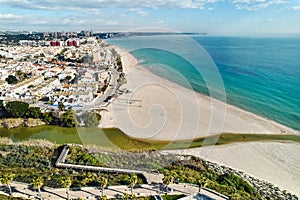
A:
x: 257, y: 74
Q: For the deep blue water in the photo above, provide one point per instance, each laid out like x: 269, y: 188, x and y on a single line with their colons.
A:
x: 260, y: 74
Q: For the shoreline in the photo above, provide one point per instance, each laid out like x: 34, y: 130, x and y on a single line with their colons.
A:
x: 228, y: 119
x: 273, y: 161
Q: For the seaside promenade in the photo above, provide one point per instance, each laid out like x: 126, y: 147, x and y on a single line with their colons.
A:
x: 25, y: 191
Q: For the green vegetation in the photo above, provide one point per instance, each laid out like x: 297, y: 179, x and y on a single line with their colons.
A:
x: 194, y: 171
x: 68, y: 78
x: 21, y: 76
x: 68, y: 119
x: 35, y: 165
x: 115, y: 139
x: 66, y: 182
x: 61, y: 106
x: 119, y: 64
x: 172, y: 197
x: 102, y: 183
x: 147, y: 160
x: 37, y: 182
x: 6, y: 179
x: 167, y: 180
x: 34, y: 112
x: 132, y: 179
x: 90, y: 119
x: 17, y: 109
x: 3, y: 197
x: 11, y: 79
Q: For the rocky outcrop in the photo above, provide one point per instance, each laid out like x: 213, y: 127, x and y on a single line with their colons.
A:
x: 19, y: 122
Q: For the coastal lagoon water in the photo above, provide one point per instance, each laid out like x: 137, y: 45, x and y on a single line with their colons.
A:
x: 260, y: 74
x: 105, y: 138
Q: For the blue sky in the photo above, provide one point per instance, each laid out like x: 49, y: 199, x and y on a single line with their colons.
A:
x: 248, y: 17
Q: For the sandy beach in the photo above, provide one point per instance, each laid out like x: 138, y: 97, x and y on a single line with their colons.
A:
x: 157, y: 109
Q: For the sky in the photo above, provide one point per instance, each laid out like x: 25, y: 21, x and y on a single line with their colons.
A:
x: 246, y: 17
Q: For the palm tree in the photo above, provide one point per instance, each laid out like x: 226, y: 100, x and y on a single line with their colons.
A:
x: 37, y: 182
x: 66, y: 182
x: 125, y: 196
x: 102, y: 183
x: 167, y: 180
x: 6, y: 178
x: 132, y: 182
x: 201, y: 182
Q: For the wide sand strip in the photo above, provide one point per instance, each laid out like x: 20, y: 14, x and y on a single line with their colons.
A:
x: 157, y: 109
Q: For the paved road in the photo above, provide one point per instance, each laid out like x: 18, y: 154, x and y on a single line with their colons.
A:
x: 25, y: 191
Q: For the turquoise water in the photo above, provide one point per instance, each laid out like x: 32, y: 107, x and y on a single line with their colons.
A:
x: 260, y: 74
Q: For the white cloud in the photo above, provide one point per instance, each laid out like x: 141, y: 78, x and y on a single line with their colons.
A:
x: 159, y: 22
x: 252, y: 5
x: 87, y: 4
x: 143, y: 13
x: 111, y: 23
x: 135, y: 6
x: 295, y: 8
x: 9, y: 17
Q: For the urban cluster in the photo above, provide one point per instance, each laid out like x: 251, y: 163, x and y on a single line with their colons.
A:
x: 78, y: 73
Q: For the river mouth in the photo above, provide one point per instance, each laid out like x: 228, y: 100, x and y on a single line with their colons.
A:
x: 114, y: 139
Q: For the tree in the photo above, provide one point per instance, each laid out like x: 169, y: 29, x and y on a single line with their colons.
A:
x: 201, y: 182
x: 6, y: 179
x: 68, y: 78
x: 2, y: 105
x: 11, y: 79
x: 68, y: 119
x: 34, y: 112
x: 47, y: 117
x: 66, y: 182
x: 102, y: 183
x: 132, y: 182
x: 91, y: 119
x: 61, y: 106
x: 167, y: 180
x: 37, y: 182
x: 20, y: 75
x: 17, y: 109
